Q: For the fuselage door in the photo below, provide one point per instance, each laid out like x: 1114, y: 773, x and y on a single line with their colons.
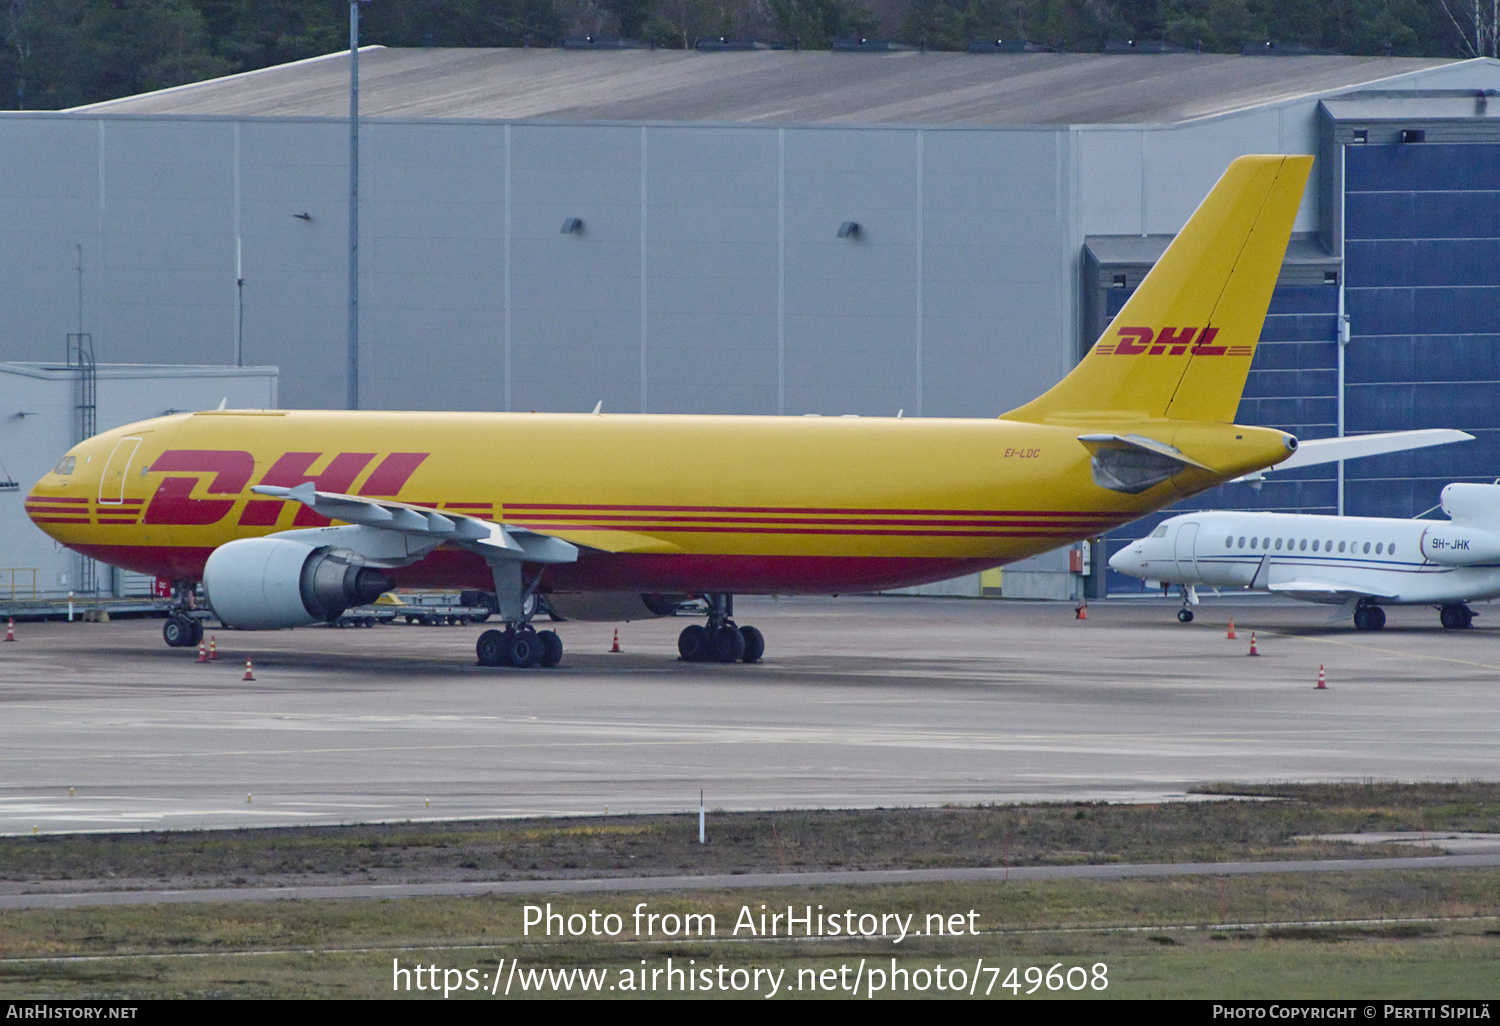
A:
x: 1187, y: 537
x: 112, y: 479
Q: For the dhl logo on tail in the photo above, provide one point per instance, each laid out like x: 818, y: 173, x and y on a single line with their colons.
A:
x: 1168, y: 342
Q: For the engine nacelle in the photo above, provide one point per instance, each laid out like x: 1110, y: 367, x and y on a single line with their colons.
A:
x: 260, y: 584
x: 613, y: 606
x: 1472, y: 503
x: 1452, y: 545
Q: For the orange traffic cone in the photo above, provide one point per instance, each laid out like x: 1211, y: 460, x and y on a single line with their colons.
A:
x: 202, y: 651
x: 213, y: 649
x: 616, y: 646
x: 1252, y: 644
x: 1081, y: 612
x: 1231, y: 635
x: 10, y: 629
x: 1322, y: 681
x: 248, y: 675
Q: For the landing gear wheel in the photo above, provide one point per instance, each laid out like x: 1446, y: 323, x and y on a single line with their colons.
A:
x: 1456, y: 617
x: 692, y: 643
x: 727, y: 644
x: 490, y: 648
x: 1369, y: 618
x: 552, y: 648
x: 196, y: 630
x: 522, y: 648
x: 177, y: 631
x: 1184, y: 616
x: 755, y: 644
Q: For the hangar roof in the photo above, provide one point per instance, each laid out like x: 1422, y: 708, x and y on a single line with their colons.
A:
x: 773, y: 86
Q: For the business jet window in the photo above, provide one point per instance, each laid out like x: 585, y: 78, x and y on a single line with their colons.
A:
x: 1328, y: 545
x: 1379, y: 548
x: 1341, y: 546
x: 1302, y: 545
x: 1390, y: 550
x: 1315, y: 545
x: 1242, y: 541
x: 1254, y: 542
x: 1278, y: 544
x: 1229, y: 542
x: 1266, y: 544
x: 1367, y: 548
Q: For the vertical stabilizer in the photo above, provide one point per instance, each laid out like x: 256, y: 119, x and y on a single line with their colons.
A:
x: 1182, y: 345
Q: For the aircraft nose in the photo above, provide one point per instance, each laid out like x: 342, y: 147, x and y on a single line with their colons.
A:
x: 1128, y: 560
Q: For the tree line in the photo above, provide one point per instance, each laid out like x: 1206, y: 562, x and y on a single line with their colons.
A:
x: 62, y: 53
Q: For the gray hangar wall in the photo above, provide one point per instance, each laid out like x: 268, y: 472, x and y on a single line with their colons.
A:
x: 707, y: 276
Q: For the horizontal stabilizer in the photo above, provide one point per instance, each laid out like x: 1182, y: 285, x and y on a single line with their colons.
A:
x: 1330, y: 450
x: 1133, y: 463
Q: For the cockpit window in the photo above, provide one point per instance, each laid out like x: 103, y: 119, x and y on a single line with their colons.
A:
x: 65, y: 465
x: 1160, y: 532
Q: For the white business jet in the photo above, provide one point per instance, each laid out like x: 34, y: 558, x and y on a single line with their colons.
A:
x: 1360, y: 563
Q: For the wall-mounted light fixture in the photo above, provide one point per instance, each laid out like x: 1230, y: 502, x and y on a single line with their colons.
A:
x: 572, y: 225
x: 304, y: 216
x: 849, y: 230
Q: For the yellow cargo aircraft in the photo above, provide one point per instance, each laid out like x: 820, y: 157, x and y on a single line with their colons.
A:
x: 290, y: 517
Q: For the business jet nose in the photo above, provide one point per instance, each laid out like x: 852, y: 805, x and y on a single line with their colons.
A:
x: 1129, y: 560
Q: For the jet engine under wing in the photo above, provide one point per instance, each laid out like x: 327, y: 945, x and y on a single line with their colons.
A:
x: 1133, y: 463
x: 489, y: 539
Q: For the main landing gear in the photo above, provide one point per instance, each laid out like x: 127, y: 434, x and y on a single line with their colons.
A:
x: 520, y: 645
x: 1370, y: 617
x: 182, y: 629
x: 720, y: 641
x: 1456, y: 616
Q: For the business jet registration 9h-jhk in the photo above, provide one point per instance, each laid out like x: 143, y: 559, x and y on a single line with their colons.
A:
x: 1361, y: 563
x: 288, y: 518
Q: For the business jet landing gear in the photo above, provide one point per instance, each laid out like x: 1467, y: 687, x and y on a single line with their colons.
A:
x: 1189, y: 599
x: 721, y: 641
x: 1369, y: 617
x: 182, y: 630
x: 1456, y: 617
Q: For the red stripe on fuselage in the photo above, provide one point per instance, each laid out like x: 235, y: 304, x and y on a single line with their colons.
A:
x: 455, y: 568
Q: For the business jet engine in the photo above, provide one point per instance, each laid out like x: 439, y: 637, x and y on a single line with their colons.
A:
x: 1452, y: 545
x: 262, y: 584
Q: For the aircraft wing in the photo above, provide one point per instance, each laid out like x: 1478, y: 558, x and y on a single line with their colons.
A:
x: 1322, y: 591
x: 425, y: 528
x: 1331, y: 450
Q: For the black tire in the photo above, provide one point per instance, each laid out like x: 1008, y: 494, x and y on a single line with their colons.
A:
x: 755, y: 644
x: 176, y: 631
x: 552, y: 648
x: 1456, y: 617
x: 195, y: 632
x: 1184, y: 616
x: 463, y: 621
x: 1377, y: 618
x: 692, y: 643
x: 410, y: 620
x: 523, y: 649
x: 490, y: 648
x: 728, y: 645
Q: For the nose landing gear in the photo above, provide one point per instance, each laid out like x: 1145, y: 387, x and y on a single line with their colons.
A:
x: 721, y: 641
x: 182, y: 629
x: 1189, y: 599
